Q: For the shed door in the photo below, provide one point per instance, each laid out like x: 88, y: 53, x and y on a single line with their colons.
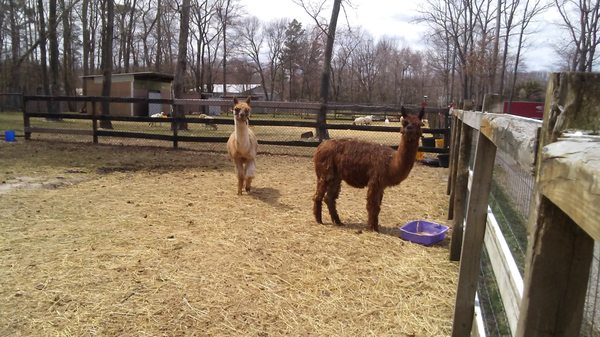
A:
x: 154, y: 108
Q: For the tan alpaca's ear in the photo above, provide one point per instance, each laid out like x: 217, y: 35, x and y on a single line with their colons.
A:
x: 248, y: 100
x: 235, y: 100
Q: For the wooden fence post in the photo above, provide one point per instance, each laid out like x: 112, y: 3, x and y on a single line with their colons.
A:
x: 559, y: 253
x: 454, y: 151
x: 461, y: 190
x: 452, y: 160
x: 26, y: 120
x: 475, y: 223
x: 94, y: 123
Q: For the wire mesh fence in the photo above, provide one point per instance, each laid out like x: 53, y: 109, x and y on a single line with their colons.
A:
x: 591, y: 313
x: 281, y: 127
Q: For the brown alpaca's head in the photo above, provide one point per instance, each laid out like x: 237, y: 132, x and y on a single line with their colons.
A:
x: 241, y: 110
x: 411, y: 125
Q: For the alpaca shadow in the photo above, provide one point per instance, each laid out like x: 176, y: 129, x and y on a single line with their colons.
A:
x: 360, y: 228
x: 268, y: 195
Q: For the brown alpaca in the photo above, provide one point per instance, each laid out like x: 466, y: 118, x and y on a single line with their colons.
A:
x: 242, y: 145
x: 362, y: 164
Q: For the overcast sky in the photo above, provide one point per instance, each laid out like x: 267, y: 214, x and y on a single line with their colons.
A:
x: 395, y: 18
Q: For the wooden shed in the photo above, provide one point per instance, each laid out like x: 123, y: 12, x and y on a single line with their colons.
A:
x: 139, y: 85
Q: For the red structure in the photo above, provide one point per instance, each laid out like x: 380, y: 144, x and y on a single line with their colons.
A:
x: 525, y: 109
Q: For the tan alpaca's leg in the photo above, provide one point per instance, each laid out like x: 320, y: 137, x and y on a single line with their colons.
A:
x: 250, y: 169
x: 333, y: 192
x: 318, y: 199
x: 374, y: 197
x: 239, y: 168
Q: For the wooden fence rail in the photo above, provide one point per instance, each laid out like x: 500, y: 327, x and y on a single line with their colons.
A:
x: 308, y: 108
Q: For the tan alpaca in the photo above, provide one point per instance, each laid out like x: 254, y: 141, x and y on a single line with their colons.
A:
x: 242, y: 145
x: 362, y: 164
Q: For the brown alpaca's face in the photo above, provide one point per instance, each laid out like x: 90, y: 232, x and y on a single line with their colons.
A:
x: 241, y: 110
x: 411, y: 127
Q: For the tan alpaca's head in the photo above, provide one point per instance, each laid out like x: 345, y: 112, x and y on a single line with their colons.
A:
x: 411, y: 125
x: 241, y: 110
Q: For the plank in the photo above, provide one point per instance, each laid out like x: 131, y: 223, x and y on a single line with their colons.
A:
x: 506, y: 272
x: 461, y: 190
x: 59, y: 131
x: 570, y: 166
x: 514, y: 135
x: 475, y: 223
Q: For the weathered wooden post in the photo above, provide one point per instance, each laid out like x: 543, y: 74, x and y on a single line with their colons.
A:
x: 565, y: 213
x: 460, y: 190
x: 455, y: 132
x: 475, y: 223
x: 26, y: 119
x: 94, y: 123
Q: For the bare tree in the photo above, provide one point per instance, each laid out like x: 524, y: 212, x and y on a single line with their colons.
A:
x: 251, y: 39
x: 580, y: 19
x: 347, y: 43
x: 202, y: 15
x: 509, y: 12
x: 107, y: 59
x: 15, y: 40
x: 42, y: 44
x: 322, y: 133
x: 53, y: 41
x: 86, y: 42
x: 159, y: 27
x: 67, y: 61
x: 531, y: 9
x: 225, y: 13
x: 178, y: 83
x: 275, y: 36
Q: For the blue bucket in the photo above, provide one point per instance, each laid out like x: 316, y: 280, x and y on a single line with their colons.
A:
x: 9, y: 135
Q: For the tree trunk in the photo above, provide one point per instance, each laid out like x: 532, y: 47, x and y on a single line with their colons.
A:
x: 159, y: 34
x: 86, y: 42
x: 53, y: 41
x: 15, y: 37
x: 43, y: 61
x: 322, y: 131
x: 107, y: 61
x: 178, y: 83
x: 67, y: 54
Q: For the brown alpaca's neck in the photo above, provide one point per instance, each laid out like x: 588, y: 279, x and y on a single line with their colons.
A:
x: 403, y: 160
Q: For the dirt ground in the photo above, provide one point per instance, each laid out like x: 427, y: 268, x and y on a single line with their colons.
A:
x: 141, y: 241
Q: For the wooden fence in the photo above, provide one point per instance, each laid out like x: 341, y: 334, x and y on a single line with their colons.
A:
x: 310, y: 110
x: 563, y: 222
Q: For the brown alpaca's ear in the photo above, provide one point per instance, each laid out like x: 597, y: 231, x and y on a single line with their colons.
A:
x: 403, y: 111
x: 235, y: 101
x: 248, y: 100
x: 422, y: 113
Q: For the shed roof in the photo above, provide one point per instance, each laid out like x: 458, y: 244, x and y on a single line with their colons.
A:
x: 147, y: 75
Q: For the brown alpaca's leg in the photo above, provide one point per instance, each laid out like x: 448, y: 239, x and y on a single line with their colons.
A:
x: 374, y: 197
x: 318, y: 199
x: 333, y: 192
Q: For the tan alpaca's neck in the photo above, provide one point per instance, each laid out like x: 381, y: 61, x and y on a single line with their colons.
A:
x: 242, y: 135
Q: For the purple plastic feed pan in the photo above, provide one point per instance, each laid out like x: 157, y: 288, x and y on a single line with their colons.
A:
x: 423, y: 232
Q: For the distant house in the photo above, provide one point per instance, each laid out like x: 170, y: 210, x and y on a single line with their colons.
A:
x: 141, y: 85
x: 236, y: 89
